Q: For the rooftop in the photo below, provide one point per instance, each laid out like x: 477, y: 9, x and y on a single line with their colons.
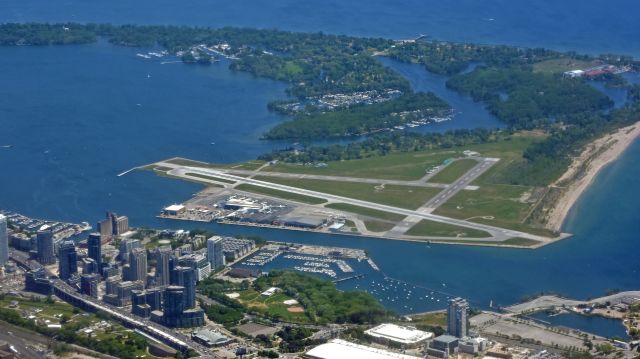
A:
x: 174, y: 207
x: 446, y: 338
x: 399, y: 334
x: 211, y: 337
x: 337, y: 349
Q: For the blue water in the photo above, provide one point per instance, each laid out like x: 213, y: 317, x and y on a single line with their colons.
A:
x: 468, y: 114
x: 79, y: 115
x: 593, y: 324
x: 594, y: 26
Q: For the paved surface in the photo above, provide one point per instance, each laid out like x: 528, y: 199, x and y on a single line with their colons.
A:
x: 547, y: 301
x: 501, y: 233
x: 251, y: 174
x: 445, y: 195
x: 460, y: 183
x: 492, y: 323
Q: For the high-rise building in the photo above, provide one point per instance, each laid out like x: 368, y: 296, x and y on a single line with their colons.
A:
x: 4, y: 241
x: 89, y: 284
x: 143, y: 302
x: 94, y: 248
x: 163, y: 258
x: 457, y: 321
x: 44, y: 246
x: 186, y: 278
x: 138, y: 265
x: 105, y: 229
x: 67, y: 260
x: 126, y: 245
x: 173, y: 305
x: 215, y: 253
x: 89, y: 266
x: 119, y: 224
x: 199, y: 263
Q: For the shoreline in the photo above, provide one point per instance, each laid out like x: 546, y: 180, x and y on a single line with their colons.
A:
x: 585, y: 168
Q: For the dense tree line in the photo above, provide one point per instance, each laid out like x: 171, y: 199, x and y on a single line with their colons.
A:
x: 296, y: 339
x: 359, y: 119
x: 447, y: 58
x: 323, y: 303
x: 313, y: 63
x: 45, y: 34
x: 524, y: 99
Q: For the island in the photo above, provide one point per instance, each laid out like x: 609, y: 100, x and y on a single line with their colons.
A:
x: 511, y: 186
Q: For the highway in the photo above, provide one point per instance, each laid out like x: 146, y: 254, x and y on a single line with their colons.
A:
x: 64, y: 291
x: 181, y: 171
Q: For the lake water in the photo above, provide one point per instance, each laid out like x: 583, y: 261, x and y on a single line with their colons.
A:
x: 79, y: 115
x: 594, y: 324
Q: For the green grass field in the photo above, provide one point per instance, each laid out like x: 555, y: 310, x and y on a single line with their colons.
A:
x: 453, y: 171
x: 378, y: 226
x: 366, y: 211
x: 426, y: 228
x: 397, y: 166
x: 496, y: 205
x: 392, y: 195
x: 411, y: 165
x: 280, y: 194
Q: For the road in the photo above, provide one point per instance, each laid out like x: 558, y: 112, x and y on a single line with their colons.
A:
x: 181, y: 171
x: 167, y: 335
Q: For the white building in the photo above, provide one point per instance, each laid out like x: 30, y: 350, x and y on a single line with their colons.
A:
x: 4, y: 241
x: 391, y: 334
x: 340, y: 349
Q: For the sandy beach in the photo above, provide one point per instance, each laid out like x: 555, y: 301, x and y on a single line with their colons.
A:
x: 585, y: 168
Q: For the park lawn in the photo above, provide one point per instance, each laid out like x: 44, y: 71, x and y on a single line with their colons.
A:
x: 280, y: 194
x: 409, y: 197
x: 427, y: 228
x: 378, y: 226
x: 210, y: 178
x: 454, y: 170
x: 562, y: 65
x: 273, y: 306
x: 366, y: 211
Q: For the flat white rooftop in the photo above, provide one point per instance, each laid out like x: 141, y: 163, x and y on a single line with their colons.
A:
x: 399, y: 334
x: 340, y: 349
x: 174, y: 207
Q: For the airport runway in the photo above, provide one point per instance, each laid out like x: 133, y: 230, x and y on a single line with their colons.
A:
x: 181, y: 171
